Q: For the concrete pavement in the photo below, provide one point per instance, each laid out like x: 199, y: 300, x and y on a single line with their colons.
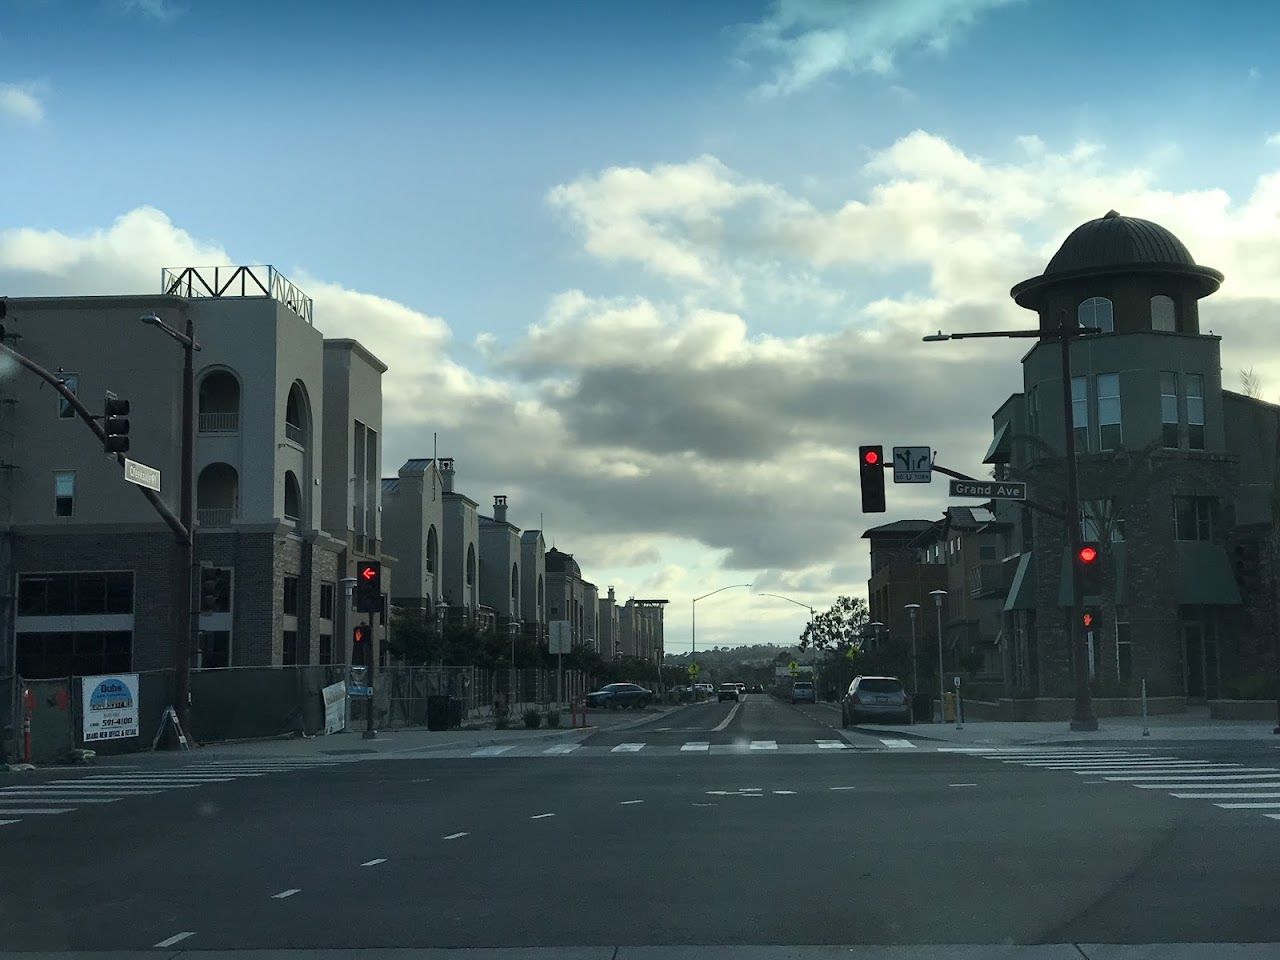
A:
x: 657, y: 852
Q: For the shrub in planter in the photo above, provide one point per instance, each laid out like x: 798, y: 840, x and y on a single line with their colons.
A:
x: 532, y: 719
x: 553, y: 718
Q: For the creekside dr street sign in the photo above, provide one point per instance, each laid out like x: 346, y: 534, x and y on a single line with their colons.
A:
x: 142, y: 475
x: 989, y: 489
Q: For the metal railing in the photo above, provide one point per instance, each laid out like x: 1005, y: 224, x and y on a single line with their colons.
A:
x: 215, y: 516
x: 220, y: 422
x: 259, y: 280
x: 295, y: 433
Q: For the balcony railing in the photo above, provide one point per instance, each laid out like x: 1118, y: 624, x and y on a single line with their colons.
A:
x: 259, y: 280
x: 215, y: 516
x: 220, y: 422
x: 295, y: 433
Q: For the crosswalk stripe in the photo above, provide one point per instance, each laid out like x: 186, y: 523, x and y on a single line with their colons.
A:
x: 695, y: 746
x: 1172, y: 783
x: 1162, y: 771
x: 4, y: 803
x: 1247, y: 806
x: 1237, y: 773
x: 150, y: 787
x: 764, y: 744
x: 33, y: 811
x: 1228, y: 796
x: 5, y: 823
x: 560, y: 749
x: 1097, y: 761
x: 628, y: 748
x: 490, y: 751
x: 832, y: 745
x: 159, y: 778
x: 898, y: 744
x: 79, y: 788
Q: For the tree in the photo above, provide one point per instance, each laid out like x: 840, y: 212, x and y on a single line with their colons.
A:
x: 839, y: 628
x: 412, y: 636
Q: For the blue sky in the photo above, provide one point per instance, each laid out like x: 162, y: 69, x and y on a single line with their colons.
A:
x: 488, y: 168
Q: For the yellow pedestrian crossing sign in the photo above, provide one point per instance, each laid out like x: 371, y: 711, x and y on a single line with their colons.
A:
x: 793, y: 668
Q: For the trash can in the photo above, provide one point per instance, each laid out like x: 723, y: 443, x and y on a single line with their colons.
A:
x: 922, y: 707
x: 455, y: 713
x: 437, y: 712
x: 949, y: 708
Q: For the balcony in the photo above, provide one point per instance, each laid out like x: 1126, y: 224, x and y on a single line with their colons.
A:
x: 220, y: 422
x: 215, y: 516
x: 295, y: 433
x: 987, y: 580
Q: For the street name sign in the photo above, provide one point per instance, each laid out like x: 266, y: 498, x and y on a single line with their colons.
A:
x: 989, y: 489
x: 142, y: 475
x: 912, y: 464
x: 559, y: 637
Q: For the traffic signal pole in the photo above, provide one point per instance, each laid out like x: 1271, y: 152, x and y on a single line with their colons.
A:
x: 369, y: 732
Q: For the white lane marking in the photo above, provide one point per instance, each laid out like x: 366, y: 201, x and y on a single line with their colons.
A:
x: 73, y: 799
x: 1228, y: 796
x: 717, y: 793
x: 898, y: 744
x: 1174, y: 783
x: 454, y: 836
x: 541, y: 816
x: 844, y: 788
x: 561, y: 748
x: 170, y: 941
x: 785, y: 793
x: 963, y: 750
x: 1247, y: 806
x: 1121, y: 762
x: 751, y: 789
x: 108, y: 785
x: 374, y: 863
x: 695, y: 804
x: 286, y: 893
x: 1238, y: 773
x: 961, y: 784
x: 158, y: 781
x: 1092, y: 761
x: 490, y: 751
x: 1273, y: 816
x: 5, y: 823
x: 75, y: 791
x: 628, y: 748
x: 626, y: 803
x: 727, y: 720
x: 695, y: 745
x: 831, y: 745
x: 32, y: 811
x: 764, y: 744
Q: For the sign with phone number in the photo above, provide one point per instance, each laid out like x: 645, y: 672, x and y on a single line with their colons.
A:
x: 109, y: 707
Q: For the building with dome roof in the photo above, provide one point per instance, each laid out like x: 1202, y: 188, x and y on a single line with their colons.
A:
x: 1176, y: 474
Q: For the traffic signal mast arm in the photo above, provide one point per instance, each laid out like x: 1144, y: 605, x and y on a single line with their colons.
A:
x: 955, y: 474
x: 83, y: 413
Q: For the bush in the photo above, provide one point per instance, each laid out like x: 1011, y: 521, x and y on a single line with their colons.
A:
x: 501, y: 723
x: 553, y: 718
x: 532, y: 719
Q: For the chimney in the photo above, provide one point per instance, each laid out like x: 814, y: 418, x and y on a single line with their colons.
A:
x: 500, y: 509
x: 446, y: 474
x: 611, y: 594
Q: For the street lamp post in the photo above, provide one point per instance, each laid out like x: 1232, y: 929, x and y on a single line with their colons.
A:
x: 348, y: 588
x: 942, y: 689
x: 778, y: 596
x: 913, y: 609
x: 188, y: 611
x: 693, y: 626
x: 513, y: 629
x: 1083, y: 717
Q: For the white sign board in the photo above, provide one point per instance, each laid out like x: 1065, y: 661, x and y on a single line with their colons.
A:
x: 560, y: 637
x: 142, y: 475
x: 109, y: 707
x: 912, y: 464
x: 335, y: 707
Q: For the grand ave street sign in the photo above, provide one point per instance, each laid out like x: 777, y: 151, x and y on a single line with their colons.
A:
x: 989, y: 489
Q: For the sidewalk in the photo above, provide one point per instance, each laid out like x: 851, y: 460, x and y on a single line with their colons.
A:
x: 1193, y: 725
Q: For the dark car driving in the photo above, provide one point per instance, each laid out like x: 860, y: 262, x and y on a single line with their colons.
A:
x: 614, y: 696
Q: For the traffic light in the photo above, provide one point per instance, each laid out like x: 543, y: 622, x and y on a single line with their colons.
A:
x: 115, y: 423
x: 1088, y: 559
x: 871, y: 470
x: 1091, y: 619
x: 369, y: 586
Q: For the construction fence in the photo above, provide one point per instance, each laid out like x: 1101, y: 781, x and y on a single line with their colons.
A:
x: 241, y: 703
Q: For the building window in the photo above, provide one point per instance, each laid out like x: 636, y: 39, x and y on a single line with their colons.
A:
x: 290, y: 596
x: 1169, y: 408
x: 1096, y: 312
x: 1110, y: 435
x: 326, y: 648
x: 215, y: 649
x: 1080, y: 412
x: 215, y: 590
x: 69, y: 594
x: 292, y: 497
x: 326, y: 601
x: 289, y: 649
x: 1195, y: 411
x: 74, y: 653
x: 432, y: 550
x: 72, y: 382
x: 1124, y: 652
x: 64, y: 493
x: 1163, y: 315
x: 1192, y: 518
x: 471, y: 565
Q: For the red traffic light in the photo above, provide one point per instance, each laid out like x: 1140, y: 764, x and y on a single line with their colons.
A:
x: 367, y: 573
x: 1087, y: 619
x: 872, y: 457
x: 357, y: 634
x: 1088, y: 554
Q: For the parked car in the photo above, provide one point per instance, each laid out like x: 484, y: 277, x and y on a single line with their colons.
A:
x: 802, y: 692
x: 729, y: 691
x: 708, y: 689
x: 875, y: 698
x: 742, y: 688
x: 613, y: 696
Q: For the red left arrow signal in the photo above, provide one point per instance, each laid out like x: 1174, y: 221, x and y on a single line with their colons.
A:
x: 368, y: 573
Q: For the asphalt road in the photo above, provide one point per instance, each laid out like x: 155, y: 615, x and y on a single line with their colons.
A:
x: 718, y: 824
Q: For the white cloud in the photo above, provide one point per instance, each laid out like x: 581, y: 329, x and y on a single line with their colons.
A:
x: 162, y: 10
x: 808, y: 40
x: 22, y: 101
x: 1273, y: 140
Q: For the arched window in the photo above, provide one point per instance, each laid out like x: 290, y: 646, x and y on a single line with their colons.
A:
x: 1163, y: 314
x: 1096, y: 312
x: 515, y: 587
x: 295, y: 415
x: 471, y: 565
x: 292, y: 497
x: 217, y: 495
x: 431, y: 549
x: 219, y: 403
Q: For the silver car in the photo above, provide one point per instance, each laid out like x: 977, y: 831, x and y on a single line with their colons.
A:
x: 875, y: 698
x: 802, y: 692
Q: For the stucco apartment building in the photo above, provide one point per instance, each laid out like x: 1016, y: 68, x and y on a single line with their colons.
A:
x: 282, y: 508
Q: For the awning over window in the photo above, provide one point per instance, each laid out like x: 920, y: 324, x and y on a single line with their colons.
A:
x: 1022, y: 592
x: 999, y: 452
x: 1204, y: 576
